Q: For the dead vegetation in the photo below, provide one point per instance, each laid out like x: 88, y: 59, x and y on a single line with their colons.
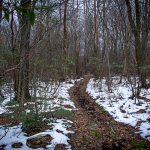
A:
x: 95, y: 129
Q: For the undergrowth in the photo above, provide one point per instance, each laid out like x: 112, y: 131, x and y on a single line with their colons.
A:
x: 63, y: 113
x: 140, y: 144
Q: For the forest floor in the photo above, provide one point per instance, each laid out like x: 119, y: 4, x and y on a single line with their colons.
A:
x: 71, y: 120
x: 48, y: 130
x: 95, y: 129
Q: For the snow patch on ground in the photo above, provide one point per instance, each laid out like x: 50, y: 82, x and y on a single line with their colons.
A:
x: 50, y: 97
x: 135, y: 112
x: 53, y: 96
x: 8, y: 96
x: 14, y: 134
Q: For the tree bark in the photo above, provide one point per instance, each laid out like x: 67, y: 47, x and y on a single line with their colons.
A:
x: 23, y: 83
x: 65, y: 28
x: 1, y: 5
x: 95, y: 29
x: 86, y: 50
x: 136, y: 29
x: 1, y: 8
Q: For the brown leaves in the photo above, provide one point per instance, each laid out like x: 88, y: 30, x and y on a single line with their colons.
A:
x: 39, y: 141
x: 106, y: 134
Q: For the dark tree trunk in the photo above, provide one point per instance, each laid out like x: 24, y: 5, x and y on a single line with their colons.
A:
x: 1, y: 5
x: 136, y: 29
x: 1, y: 8
x: 23, y: 83
x: 95, y: 46
x: 65, y: 27
x: 144, y: 40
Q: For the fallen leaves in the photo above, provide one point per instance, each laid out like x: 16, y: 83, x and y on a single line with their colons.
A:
x: 94, y: 128
x: 39, y: 141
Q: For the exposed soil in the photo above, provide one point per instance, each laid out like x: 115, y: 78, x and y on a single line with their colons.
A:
x: 39, y: 141
x: 95, y: 129
x: 60, y: 147
x: 17, y: 145
x: 7, y: 120
x: 34, y: 130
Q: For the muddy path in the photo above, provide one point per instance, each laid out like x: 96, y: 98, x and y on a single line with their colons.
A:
x: 95, y: 129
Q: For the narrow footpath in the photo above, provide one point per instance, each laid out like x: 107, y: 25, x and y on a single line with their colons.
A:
x: 95, y: 129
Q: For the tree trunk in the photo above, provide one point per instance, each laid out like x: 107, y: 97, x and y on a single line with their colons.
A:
x: 65, y: 27
x: 136, y: 29
x: 144, y: 39
x: 23, y: 83
x: 77, y: 42
x: 86, y: 55
x: 1, y: 8
x: 95, y: 29
x: 1, y: 5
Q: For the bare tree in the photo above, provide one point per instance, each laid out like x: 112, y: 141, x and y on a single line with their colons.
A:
x: 1, y: 7
x: 23, y: 82
x: 65, y: 27
x: 95, y: 46
x: 135, y: 23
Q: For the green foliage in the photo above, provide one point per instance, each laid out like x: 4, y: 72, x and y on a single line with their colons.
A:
x: 94, y: 130
x: 21, y: 9
x: 38, y: 61
x: 1, y: 99
x: 31, y: 16
x: 6, y: 13
x: 63, y: 62
x: 3, y: 61
x: 140, y: 144
x: 117, y: 66
x: 49, y: 8
x: 31, y: 121
x: 63, y: 113
x: 94, y: 65
x: 103, y: 111
x: 13, y: 102
x: 96, y: 134
x: 61, y: 66
x: 121, y: 66
x: 146, y: 67
x: 68, y: 63
x: 29, y: 13
x: 94, y: 61
x: 93, y: 126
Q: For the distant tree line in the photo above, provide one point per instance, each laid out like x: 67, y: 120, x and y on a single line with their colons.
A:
x: 66, y: 38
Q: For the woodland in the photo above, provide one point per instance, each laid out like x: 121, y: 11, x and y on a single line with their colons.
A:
x: 75, y: 74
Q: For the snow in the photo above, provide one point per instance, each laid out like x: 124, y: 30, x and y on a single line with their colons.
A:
x: 50, y: 97
x: 8, y: 96
x: 14, y: 134
x: 60, y: 138
x: 55, y: 95
x: 135, y: 112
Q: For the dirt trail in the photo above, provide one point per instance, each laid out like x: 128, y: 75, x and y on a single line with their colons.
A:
x: 95, y: 129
